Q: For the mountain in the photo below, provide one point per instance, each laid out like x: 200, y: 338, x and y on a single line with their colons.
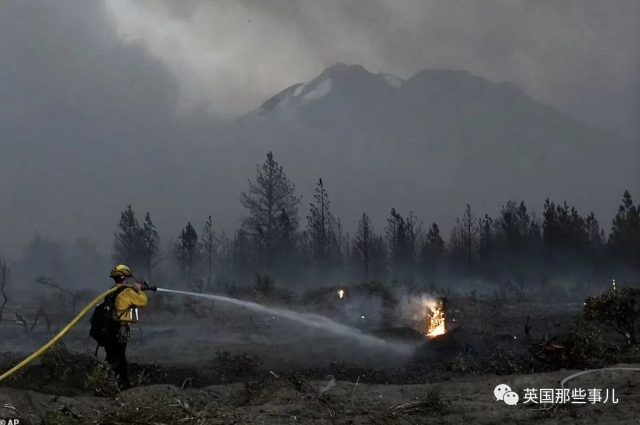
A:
x: 431, y: 144
x: 428, y: 144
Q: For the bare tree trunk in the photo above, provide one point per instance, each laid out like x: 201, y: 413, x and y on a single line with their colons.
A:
x: 5, y: 300
x: 4, y: 283
x: 149, y: 253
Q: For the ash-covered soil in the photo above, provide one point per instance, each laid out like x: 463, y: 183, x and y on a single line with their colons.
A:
x: 290, y: 399
x: 194, y: 363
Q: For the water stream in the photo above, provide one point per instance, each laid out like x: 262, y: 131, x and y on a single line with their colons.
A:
x: 308, y: 319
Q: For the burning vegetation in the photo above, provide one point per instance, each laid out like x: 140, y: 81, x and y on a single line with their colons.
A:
x: 434, y: 318
x: 425, y: 314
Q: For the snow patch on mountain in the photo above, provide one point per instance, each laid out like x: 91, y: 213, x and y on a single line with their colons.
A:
x: 393, y: 81
x: 299, y: 89
x: 321, y: 89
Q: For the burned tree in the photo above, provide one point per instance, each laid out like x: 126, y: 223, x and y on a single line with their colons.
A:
x: 286, y: 241
x: 401, y: 239
x: 188, y: 255
x: 268, y: 197
x: 4, y: 286
x: 341, y: 239
x: 363, y: 245
x: 512, y: 228
x: 128, y: 241
x: 464, y: 239
x: 150, y: 244
x: 486, y: 243
x: 595, y: 235
x: 49, y: 283
x: 40, y: 314
x: 433, y: 250
x: 378, y: 258
x: 321, y: 234
x: 209, y: 248
x: 564, y: 229
x: 469, y: 235
x: 224, y: 261
x: 242, y: 252
x: 624, y: 240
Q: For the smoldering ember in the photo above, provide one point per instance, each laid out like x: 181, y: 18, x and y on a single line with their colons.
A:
x: 332, y: 212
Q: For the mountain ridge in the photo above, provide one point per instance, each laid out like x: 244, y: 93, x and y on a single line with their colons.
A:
x: 444, y: 135
x: 424, y: 85
x: 429, y: 144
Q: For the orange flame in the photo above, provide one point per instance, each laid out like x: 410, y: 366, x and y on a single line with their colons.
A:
x: 435, y: 320
x: 340, y: 293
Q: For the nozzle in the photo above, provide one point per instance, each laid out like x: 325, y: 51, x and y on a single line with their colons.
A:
x: 147, y: 287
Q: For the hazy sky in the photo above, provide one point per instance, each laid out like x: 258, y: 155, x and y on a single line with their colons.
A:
x: 582, y: 56
x: 89, y: 90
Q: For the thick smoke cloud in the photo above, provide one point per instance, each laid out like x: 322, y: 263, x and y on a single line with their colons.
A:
x: 80, y: 112
x: 580, y: 56
x: 91, y: 94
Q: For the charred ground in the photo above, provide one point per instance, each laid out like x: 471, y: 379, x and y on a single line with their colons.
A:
x: 207, y: 363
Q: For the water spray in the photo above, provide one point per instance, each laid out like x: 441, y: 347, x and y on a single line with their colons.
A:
x: 308, y: 319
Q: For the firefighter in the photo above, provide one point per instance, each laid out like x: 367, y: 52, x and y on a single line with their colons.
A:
x: 111, y: 320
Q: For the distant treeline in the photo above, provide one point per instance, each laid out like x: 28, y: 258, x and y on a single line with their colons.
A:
x: 272, y: 239
x: 515, y: 246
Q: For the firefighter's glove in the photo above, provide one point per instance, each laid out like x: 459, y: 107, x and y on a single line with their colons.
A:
x: 146, y: 287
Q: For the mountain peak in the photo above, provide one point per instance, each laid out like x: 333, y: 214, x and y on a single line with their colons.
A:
x: 337, y: 67
x: 355, y: 85
x: 340, y: 79
x: 455, y: 80
x: 433, y: 134
x: 340, y: 70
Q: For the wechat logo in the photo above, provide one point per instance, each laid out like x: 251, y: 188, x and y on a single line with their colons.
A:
x: 503, y: 392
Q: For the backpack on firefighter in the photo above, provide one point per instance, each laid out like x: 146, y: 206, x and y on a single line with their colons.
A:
x: 104, y: 323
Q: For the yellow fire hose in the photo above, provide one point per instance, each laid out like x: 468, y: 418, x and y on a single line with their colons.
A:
x: 57, y: 337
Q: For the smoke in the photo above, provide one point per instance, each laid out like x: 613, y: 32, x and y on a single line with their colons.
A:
x: 313, y: 321
x: 235, y: 54
x: 413, y: 310
x: 90, y: 95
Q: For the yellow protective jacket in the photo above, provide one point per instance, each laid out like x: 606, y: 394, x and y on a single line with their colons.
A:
x: 126, y: 301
